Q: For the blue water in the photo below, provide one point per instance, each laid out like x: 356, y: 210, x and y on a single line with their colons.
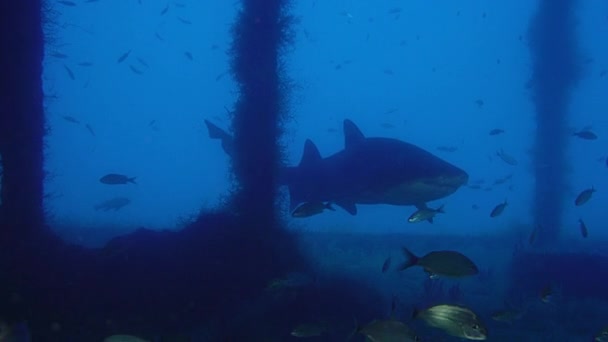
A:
x: 437, y: 75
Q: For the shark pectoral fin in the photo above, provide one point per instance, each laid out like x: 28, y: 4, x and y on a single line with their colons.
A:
x: 352, y: 135
x: 430, y: 220
x: 350, y: 207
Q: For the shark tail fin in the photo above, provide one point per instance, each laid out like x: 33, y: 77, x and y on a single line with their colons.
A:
x: 215, y: 132
x: 132, y: 180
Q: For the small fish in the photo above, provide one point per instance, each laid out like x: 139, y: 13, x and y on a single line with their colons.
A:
x: 425, y: 214
x: 123, y: 57
x: 308, y: 209
x: 116, y: 204
x: 534, y: 234
x: 135, y: 70
x: 584, y: 196
x: 585, y: 134
x: 90, y: 129
x: 497, y: 131
x: 602, y: 336
x: 70, y: 72
x: 158, y: 36
x: 85, y: 64
x: 507, y: 315
x: 498, y: 209
x: 124, y: 338
x: 457, y: 321
x: 115, y: 178
x: 387, y: 264
x: 441, y: 263
x: 58, y: 55
x: 165, y: 10
x: 189, y: 55
x: 506, y: 157
x: 479, y: 103
x: 387, y: 330
x: 184, y: 21
x: 67, y: 3
x: 583, y: 227
x: 310, y: 330
x: 71, y: 119
x: 546, y: 294
x: 142, y: 62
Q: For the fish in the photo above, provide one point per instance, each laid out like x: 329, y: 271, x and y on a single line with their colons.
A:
x: 447, y: 148
x: 369, y: 170
x: 67, y: 3
x: 116, y: 204
x: 507, y: 315
x: 189, y: 55
x: 291, y: 281
x: 124, y: 338
x: 142, y: 62
x: 90, y: 129
x: 479, y: 103
x: 584, y: 196
x: 583, y: 227
x: 387, y: 264
x: 165, y: 10
x: 115, y: 178
x: 308, y: 209
x: 425, y: 214
x: 441, y: 264
x: 123, y: 57
x: 71, y: 119
x: 135, y: 70
x: 58, y: 55
x: 498, y: 209
x: 534, y: 233
x: 507, y: 158
x: 14, y: 332
x: 184, y: 21
x: 85, y: 64
x: 601, y: 336
x: 546, y: 294
x: 306, y: 330
x: 496, y: 131
x: 69, y: 72
x: 585, y: 134
x: 388, y: 330
x: 457, y: 321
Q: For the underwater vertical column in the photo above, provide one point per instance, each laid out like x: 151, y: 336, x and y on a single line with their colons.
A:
x: 21, y: 116
x: 556, y: 71
x: 259, y: 34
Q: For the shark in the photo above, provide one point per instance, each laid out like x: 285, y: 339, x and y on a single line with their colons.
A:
x: 369, y: 170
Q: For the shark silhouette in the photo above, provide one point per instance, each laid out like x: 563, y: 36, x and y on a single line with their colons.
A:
x: 369, y: 170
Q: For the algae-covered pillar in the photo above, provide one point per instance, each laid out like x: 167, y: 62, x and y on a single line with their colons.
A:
x: 21, y: 117
x: 555, y: 72
x: 259, y: 34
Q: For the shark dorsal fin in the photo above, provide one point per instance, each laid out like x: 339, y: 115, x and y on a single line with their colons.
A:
x: 311, y: 154
x: 352, y: 135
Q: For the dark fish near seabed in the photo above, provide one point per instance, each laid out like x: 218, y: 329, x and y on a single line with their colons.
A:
x: 306, y: 330
x: 585, y: 134
x: 546, y: 294
x: 124, y: 338
x: 441, y: 263
x: 584, y: 196
x: 455, y: 320
x: 498, y: 209
x: 115, y: 178
x: 583, y: 227
x: 311, y: 208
